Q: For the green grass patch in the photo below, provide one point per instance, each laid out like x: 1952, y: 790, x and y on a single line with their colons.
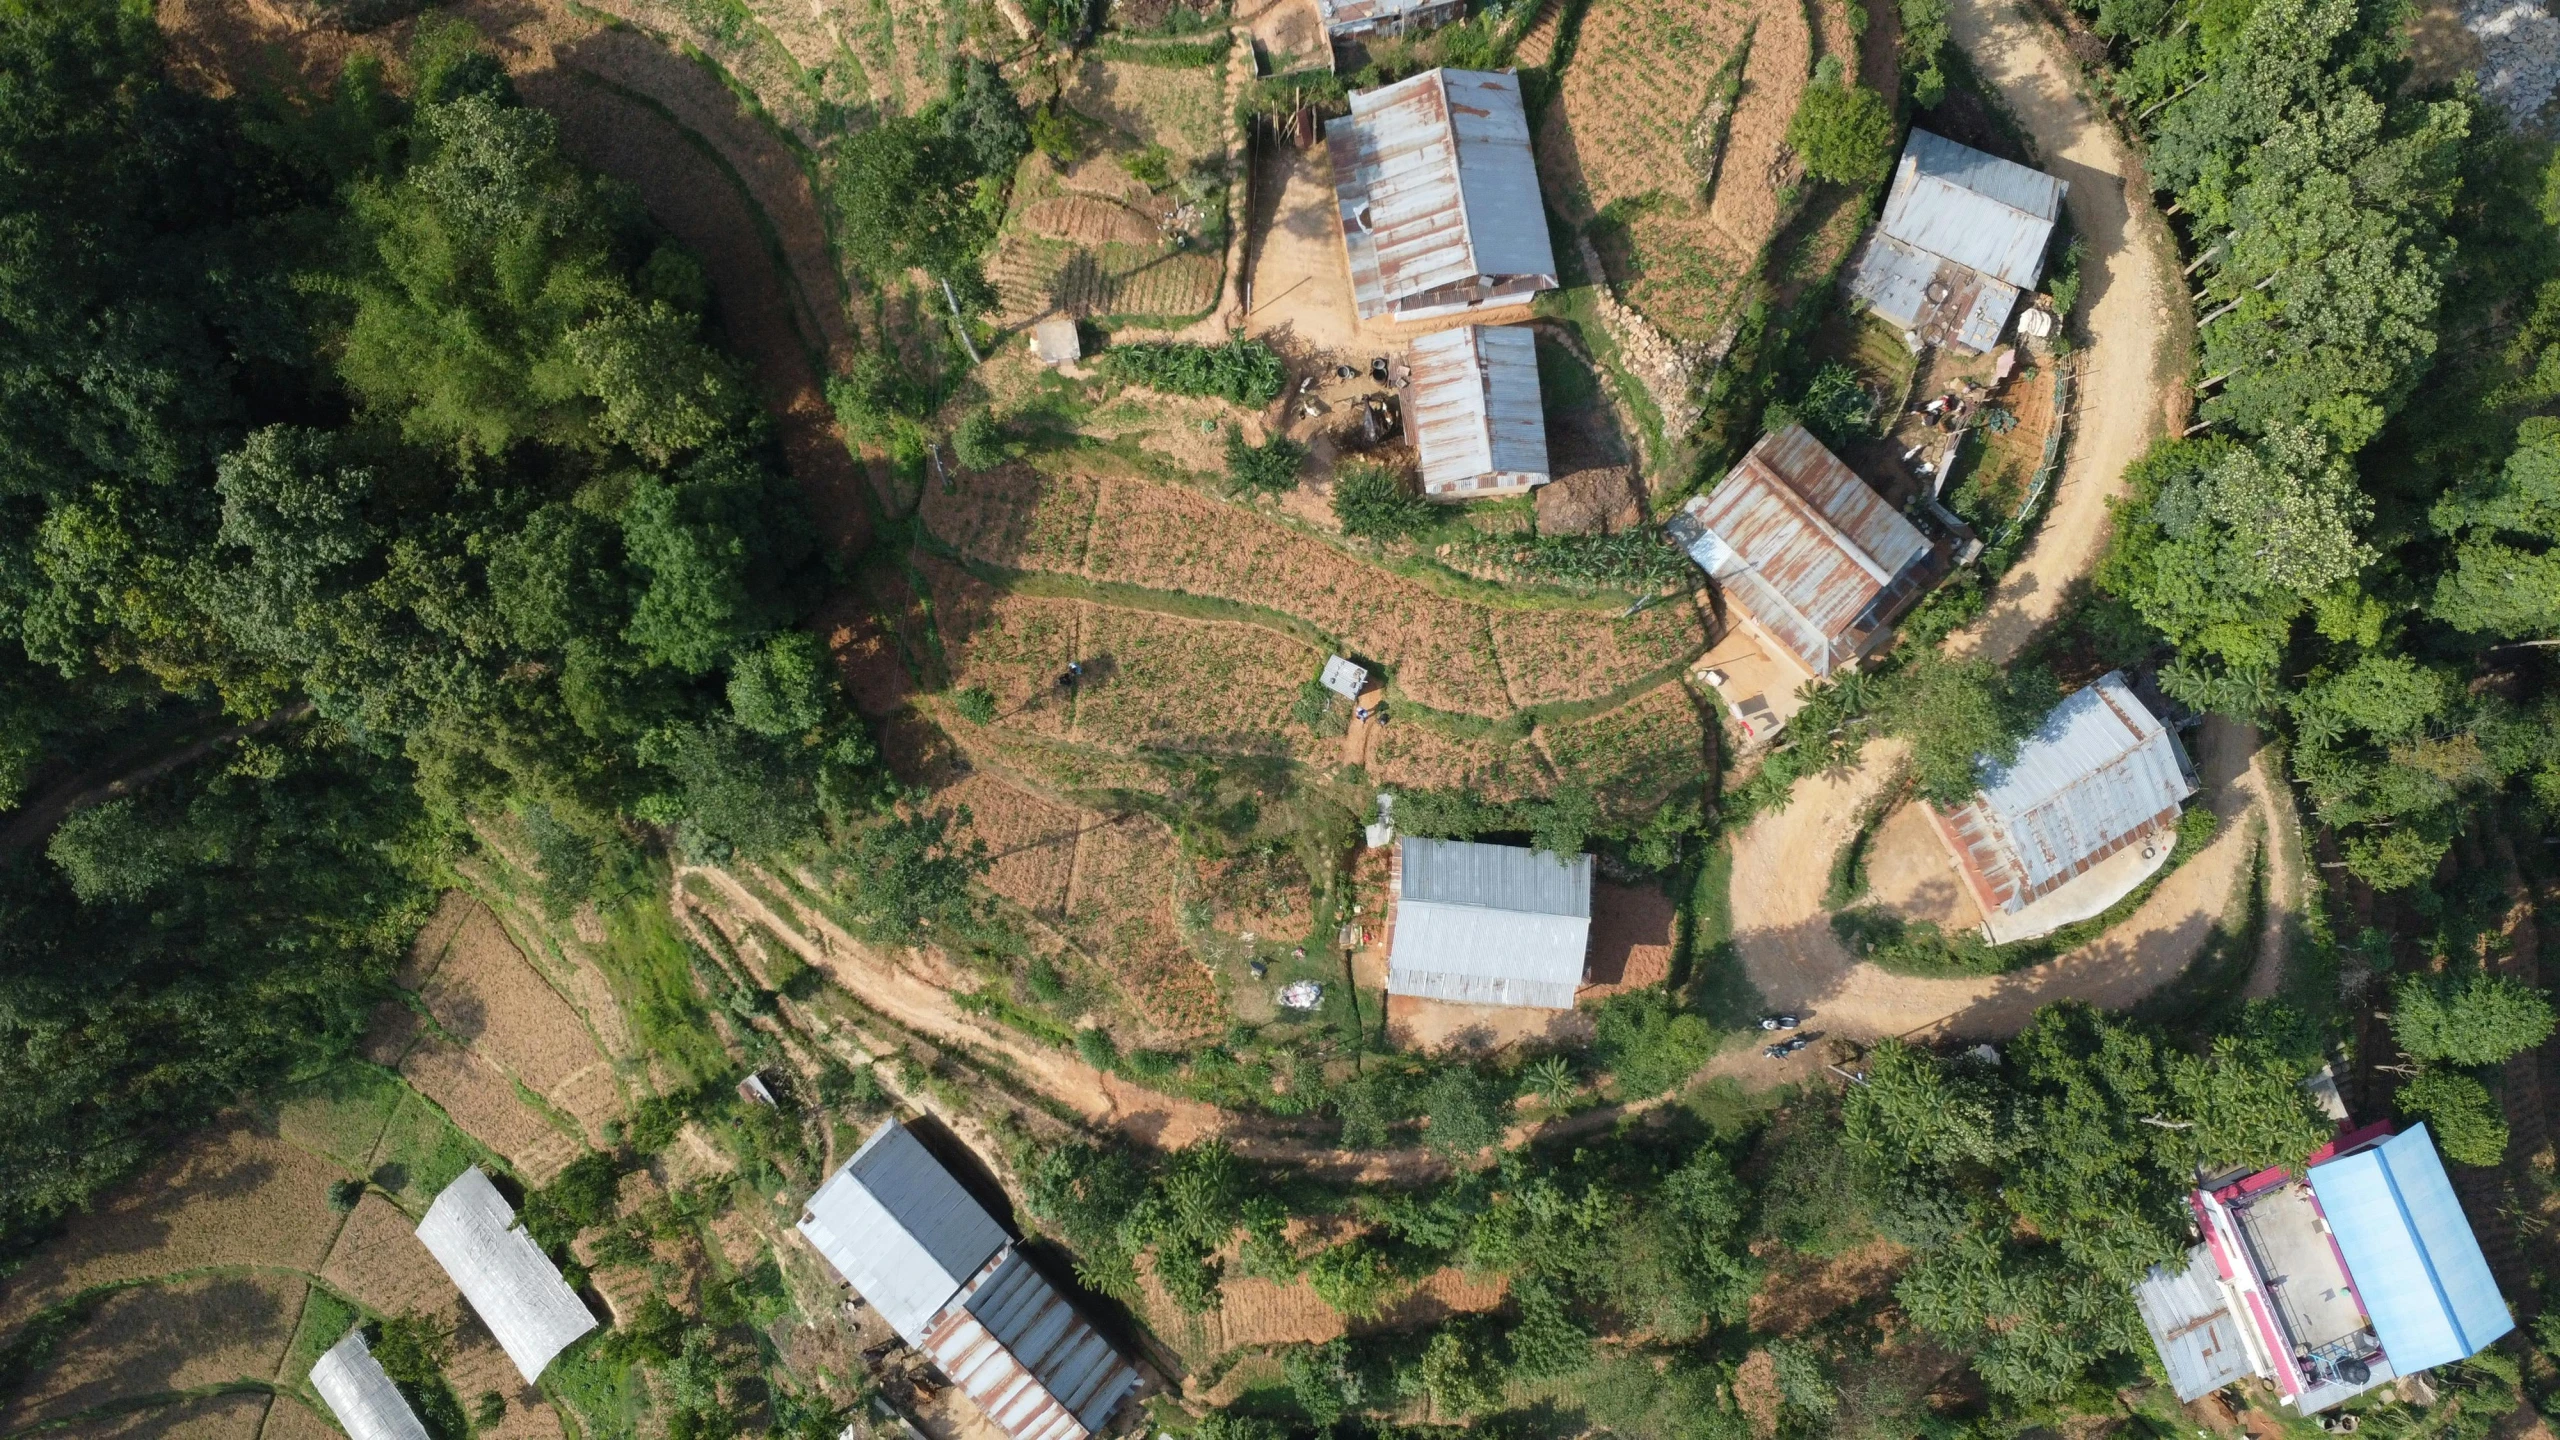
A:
x: 606, y: 1395
x: 650, y: 968
x: 1176, y: 55
x: 422, y: 1151
x: 325, y: 1321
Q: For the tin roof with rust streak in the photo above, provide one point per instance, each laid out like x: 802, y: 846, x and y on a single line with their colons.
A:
x: 1437, y: 185
x: 1473, y: 406
x: 1020, y: 1350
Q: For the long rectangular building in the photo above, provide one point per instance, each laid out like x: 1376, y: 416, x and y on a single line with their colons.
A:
x: 1438, y: 196
x: 512, y: 1286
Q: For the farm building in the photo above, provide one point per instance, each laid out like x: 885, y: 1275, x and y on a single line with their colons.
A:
x: 1473, y: 411
x: 1361, y: 19
x: 2101, y: 778
x: 368, y: 1406
x: 1487, y: 924
x: 1811, y: 557
x: 1057, y: 342
x: 2328, y: 1283
x: 1963, y: 235
x: 1438, y: 195
x: 904, y: 1233
x: 512, y: 1286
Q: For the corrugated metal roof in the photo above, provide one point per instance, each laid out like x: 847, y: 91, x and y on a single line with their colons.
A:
x: 1939, y: 300
x: 1489, y: 924
x: 1020, y: 1350
x: 1437, y: 187
x: 2191, y: 1325
x: 2100, y: 772
x: 1353, y: 17
x: 1981, y: 211
x: 1805, y: 546
x: 900, y: 1229
x: 1474, y: 411
x: 512, y: 1286
x: 2416, y: 1265
x: 368, y: 1406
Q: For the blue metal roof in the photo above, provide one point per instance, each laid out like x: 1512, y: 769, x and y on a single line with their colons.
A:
x: 2415, y: 1262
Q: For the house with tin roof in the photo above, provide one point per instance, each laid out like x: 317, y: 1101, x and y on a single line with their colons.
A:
x: 1473, y: 411
x: 1805, y: 554
x: 512, y: 1286
x: 1438, y: 196
x: 1362, y: 19
x: 2325, y: 1282
x: 1962, y: 237
x: 905, y: 1234
x: 2088, y: 810
x: 1482, y: 924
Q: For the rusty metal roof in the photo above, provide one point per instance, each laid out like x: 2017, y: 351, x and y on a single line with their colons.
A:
x: 1980, y: 211
x: 2189, y: 1317
x: 1939, y: 300
x: 900, y: 1229
x: 1806, y: 547
x: 1436, y: 186
x: 1015, y: 1345
x: 1473, y: 409
x: 2101, y: 773
x: 1348, y: 17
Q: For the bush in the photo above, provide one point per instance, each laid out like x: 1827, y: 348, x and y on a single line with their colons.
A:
x: 1836, y: 406
x: 1377, y: 503
x: 975, y: 704
x: 2469, y: 1128
x: 1054, y: 135
x: 344, y: 1194
x: 2479, y: 1021
x: 1842, y: 130
x: 1151, y: 167
x: 978, y: 442
x: 1466, y: 1112
x: 1268, y: 468
x: 1354, y: 1277
x: 1098, y: 1049
x: 1242, y: 372
x: 1649, y: 1043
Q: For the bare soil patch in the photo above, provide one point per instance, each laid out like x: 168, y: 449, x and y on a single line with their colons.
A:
x: 1433, y: 1026
x: 1631, y: 939
x: 1910, y: 873
x: 292, y: 1418
x: 1801, y: 1291
x: 235, y: 1416
x: 153, y: 1339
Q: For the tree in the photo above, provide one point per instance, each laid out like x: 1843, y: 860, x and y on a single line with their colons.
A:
x: 2505, y: 579
x: 2468, y: 1126
x: 1915, y: 1111
x: 983, y: 115
x: 1842, y: 131
x: 1960, y: 715
x: 1375, y: 502
x: 978, y: 442
x: 909, y: 874
x: 905, y: 198
x: 1466, y: 1112
x: 781, y: 688
x: 2481, y: 1020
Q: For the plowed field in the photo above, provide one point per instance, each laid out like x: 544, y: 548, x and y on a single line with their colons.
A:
x: 153, y: 1339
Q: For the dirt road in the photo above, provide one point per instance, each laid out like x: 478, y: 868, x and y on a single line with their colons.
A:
x: 2125, y: 295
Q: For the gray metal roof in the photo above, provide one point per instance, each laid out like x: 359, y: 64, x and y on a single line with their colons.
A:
x: 1353, y: 17
x: 1020, y: 1350
x: 2189, y: 1317
x: 2101, y: 771
x: 1803, y: 545
x: 1437, y: 186
x: 512, y: 1286
x: 1473, y: 409
x: 1489, y: 924
x: 1985, y: 213
x: 1940, y: 300
x: 368, y: 1406
x: 900, y: 1229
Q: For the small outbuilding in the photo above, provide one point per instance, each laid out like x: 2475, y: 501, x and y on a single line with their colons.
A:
x: 2100, y: 778
x: 1488, y: 924
x: 1365, y: 19
x: 2191, y: 1324
x: 1438, y: 195
x: 1344, y: 677
x: 1963, y: 235
x: 512, y: 1286
x: 904, y: 1232
x: 357, y: 1391
x: 1057, y: 342
x: 1474, y: 411
x: 1809, y: 555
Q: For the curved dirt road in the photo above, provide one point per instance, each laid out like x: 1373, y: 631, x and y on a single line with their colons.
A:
x: 2125, y: 294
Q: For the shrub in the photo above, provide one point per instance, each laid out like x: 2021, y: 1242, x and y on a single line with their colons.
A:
x: 1649, y: 1043
x: 1354, y: 1277
x: 1836, y: 406
x: 1054, y: 135
x: 978, y: 442
x: 344, y: 1194
x: 975, y: 704
x: 1098, y: 1049
x: 1376, y: 502
x: 2468, y: 1126
x: 1151, y: 167
x: 1842, y: 130
x: 1242, y: 372
x: 1314, y: 708
x: 1268, y: 468
x: 1466, y: 1112
x: 1635, y: 560
x: 2479, y: 1021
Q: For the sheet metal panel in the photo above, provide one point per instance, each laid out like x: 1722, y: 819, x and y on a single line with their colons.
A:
x: 1360, y: 17
x: 2415, y: 1262
x: 1801, y: 543
x: 1982, y: 212
x: 900, y: 1229
x: 1019, y: 1349
x: 1436, y: 186
x: 1494, y: 877
x: 512, y: 1286
x: 368, y: 1406
x: 2101, y: 769
x: 1489, y: 924
x: 1474, y: 409
x: 2189, y: 1317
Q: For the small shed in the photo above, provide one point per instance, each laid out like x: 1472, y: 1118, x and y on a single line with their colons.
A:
x: 1056, y: 342
x: 512, y: 1286
x: 1438, y: 196
x: 1962, y: 236
x: 1474, y: 411
x: 1344, y: 678
x: 2418, y: 1269
x: 1488, y: 924
x: 1361, y: 19
x: 1810, y: 554
x: 2100, y: 774
x: 357, y: 1391
x: 2189, y: 1316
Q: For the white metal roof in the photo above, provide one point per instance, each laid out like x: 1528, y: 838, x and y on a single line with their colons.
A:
x: 367, y: 1404
x: 901, y: 1230
x: 1344, y: 678
x: 511, y: 1284
x: 1985, y: 213
x: 1473, y: 408
x: 1026, y: 1357
x: 2189, y: 1317
x: 1437, y: 186
x: 1489, y: 924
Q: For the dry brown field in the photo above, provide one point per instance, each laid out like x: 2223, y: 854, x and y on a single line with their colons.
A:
x: 1637, y: 753
x: 1573, y: 655
x: 484, y: 1103
x: 233, y: 1416
x: 379, y: 1262
x: 1191, y: 685
x: 154, y: 1339
x: 1032, y: 841
x: 293, y: 1418
x: 1412, y: 754
x: 1181, y: 108
x: 486, y: 994
x: 1120, y: 910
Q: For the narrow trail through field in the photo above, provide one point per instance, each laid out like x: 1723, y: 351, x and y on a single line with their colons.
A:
x: 2125, y: 295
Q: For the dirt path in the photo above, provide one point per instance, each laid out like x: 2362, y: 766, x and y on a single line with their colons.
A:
x: 1783, y: 861
x: 2125, y: 293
